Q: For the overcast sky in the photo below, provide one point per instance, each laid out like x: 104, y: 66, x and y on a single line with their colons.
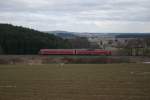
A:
x: 78, y: 15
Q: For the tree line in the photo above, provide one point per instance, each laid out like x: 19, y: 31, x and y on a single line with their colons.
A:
x: 20, y: 40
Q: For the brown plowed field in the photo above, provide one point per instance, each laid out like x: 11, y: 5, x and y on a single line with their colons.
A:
x: 75, y: 82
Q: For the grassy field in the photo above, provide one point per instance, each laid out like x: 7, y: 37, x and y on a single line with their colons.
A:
x: 75, y: 82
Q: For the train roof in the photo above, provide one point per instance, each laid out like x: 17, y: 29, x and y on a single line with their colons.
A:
x: 73, y: 49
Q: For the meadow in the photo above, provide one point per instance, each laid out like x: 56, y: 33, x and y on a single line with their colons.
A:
x: 75, y: 82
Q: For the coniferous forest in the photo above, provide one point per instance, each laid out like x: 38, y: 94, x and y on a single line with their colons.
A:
x: 20, y: 40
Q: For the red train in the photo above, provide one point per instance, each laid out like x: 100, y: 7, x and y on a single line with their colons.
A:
x: 74, y: 52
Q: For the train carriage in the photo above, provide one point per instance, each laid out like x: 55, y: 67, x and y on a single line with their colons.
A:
x: 93, y: 52
x: 74, y: 52
x: 57, y: 52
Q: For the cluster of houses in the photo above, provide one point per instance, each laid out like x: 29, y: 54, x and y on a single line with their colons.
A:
x: 109, y: 42
x: 122, y: 46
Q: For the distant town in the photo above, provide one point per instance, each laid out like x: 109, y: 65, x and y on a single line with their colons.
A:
x: 120, y: 43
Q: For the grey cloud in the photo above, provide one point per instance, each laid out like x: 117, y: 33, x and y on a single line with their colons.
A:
x: 70, y: 14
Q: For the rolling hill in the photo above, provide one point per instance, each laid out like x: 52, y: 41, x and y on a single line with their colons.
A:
x: 21, y: 40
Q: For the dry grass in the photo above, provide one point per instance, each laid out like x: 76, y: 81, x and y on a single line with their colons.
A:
x: 75, y: 82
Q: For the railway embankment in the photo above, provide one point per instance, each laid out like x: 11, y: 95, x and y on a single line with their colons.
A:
x: 46, y: 59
